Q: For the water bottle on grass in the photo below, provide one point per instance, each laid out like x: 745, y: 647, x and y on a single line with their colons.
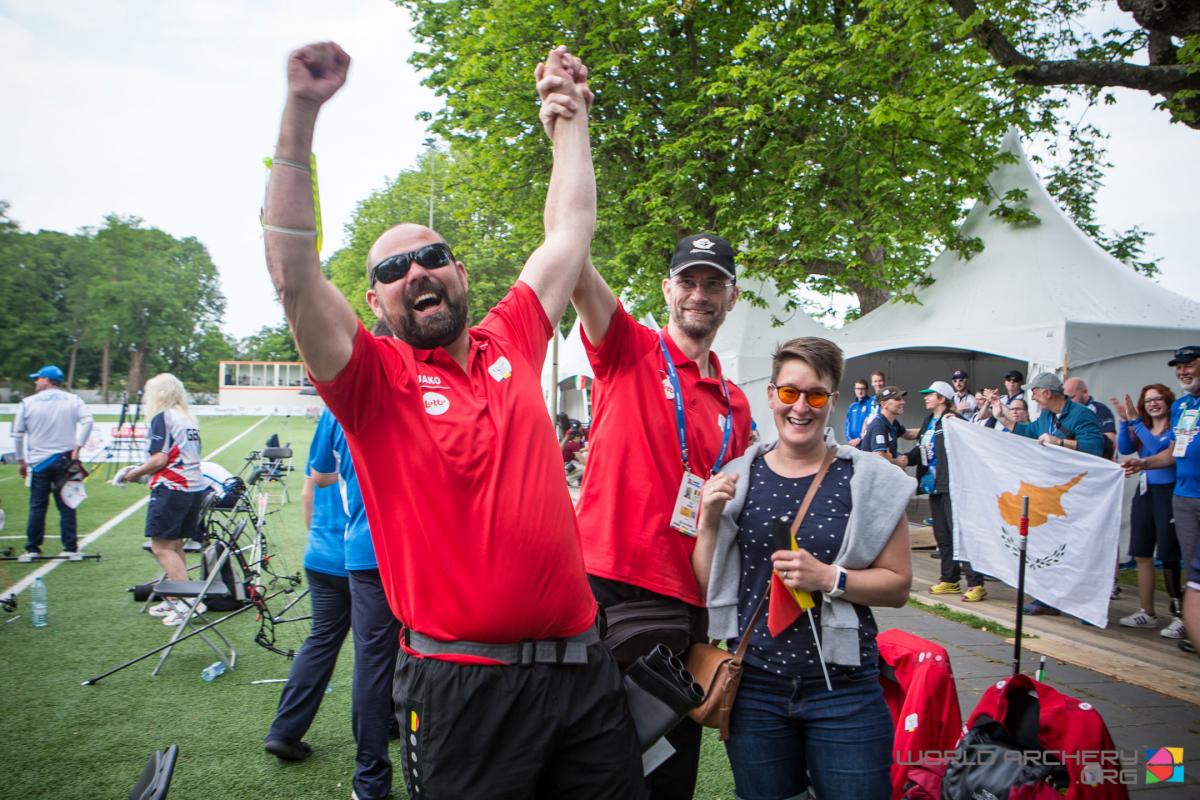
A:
x: 37, y: 599
x: 213, y: 671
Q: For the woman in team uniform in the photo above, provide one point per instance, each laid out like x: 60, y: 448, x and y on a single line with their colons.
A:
x: 177, y: 485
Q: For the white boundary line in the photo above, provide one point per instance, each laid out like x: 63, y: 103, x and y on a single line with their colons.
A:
x: 46, y: 569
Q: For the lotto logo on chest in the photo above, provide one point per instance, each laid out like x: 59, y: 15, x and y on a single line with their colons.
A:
x: 436, y: 404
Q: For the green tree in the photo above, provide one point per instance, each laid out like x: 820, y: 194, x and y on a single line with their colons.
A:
x: 1045, y: 44
x: 269, y: 343
x: 837, y: 143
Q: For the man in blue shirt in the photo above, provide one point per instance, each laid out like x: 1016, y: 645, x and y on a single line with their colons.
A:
x: 1062, y: 423
x: 1185, y: 457
x: 885, y: 428
x: 857, y: 413
x: 329, y: 592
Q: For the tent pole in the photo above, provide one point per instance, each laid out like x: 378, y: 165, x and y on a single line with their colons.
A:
x: 1021, y: 584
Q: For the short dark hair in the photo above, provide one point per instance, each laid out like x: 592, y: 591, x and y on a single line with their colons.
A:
x: 863, y: 382
x: 822, y: 355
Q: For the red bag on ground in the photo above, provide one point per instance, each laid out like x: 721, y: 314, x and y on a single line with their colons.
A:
x: 1068, y: 727
x: 918, y: 685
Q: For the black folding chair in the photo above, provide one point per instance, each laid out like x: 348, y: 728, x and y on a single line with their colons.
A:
x: 156, y: 777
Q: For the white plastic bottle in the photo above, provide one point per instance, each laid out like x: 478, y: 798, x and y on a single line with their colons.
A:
x: 37, y: 600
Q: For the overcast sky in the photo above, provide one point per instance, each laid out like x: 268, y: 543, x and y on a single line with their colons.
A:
x: 164, y: 110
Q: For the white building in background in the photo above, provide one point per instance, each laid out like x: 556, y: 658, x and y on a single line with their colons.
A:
x: 266, y: 385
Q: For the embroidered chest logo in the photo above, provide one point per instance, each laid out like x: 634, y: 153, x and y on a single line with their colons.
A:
x: 429, y: 380
x: 435, y: 404
x: 668, y: 389
x: 500, y: 370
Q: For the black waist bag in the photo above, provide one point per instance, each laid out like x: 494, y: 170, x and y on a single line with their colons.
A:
x: 636, y: 627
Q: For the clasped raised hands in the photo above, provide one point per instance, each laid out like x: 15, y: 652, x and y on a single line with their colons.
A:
x: 316, y: 71
x: 562, y: 86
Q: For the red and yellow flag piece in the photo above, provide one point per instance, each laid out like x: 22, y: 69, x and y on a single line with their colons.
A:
x: 786, y: 604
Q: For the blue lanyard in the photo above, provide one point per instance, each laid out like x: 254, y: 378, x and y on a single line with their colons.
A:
x: 680, y: 426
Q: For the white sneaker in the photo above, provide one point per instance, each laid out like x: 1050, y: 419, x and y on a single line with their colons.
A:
x: 71, y: 555
x: 27, y: 557
x: 162, y: 609
x: 1140, y: 620
x: 176, y: 615
x: 1175, y: 630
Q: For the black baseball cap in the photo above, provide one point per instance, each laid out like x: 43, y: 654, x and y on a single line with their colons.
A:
x: 1014, y: 375
x: 891, y: 392
x: 958, y: 374
x: 1185, y: 354
x: 703, y: 249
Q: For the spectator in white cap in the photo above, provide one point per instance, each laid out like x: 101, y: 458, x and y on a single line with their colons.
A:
x: 50, y: 428
x: 933, y: 475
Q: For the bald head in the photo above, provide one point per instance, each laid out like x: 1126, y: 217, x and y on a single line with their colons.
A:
x: 1075, y: 389
x: 400, y: 239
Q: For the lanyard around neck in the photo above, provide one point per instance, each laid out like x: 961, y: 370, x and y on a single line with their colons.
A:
x: 680, y: 425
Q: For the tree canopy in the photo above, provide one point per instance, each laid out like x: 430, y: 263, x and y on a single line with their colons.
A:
x: 122, y: 298
x: 836, y: 143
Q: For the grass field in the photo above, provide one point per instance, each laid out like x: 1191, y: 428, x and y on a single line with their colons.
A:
x: 70, y: 741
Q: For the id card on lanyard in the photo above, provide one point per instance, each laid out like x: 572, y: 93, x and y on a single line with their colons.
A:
x: 1185, y: 430
x: 686, y: 511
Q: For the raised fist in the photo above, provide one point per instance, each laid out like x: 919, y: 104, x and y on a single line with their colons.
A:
x: 316, y: 71
x: 561, y: 85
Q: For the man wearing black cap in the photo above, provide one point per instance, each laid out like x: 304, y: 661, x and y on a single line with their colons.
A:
x: 1185, y: 457
x: 1013, y: 386
x: 56, y: 424
x: 964, y: 400
x: 664, y: 419
x: 885, y: 429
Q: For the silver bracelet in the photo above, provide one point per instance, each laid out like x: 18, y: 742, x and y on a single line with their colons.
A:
x: 284, y: 162
x: 290, y: 231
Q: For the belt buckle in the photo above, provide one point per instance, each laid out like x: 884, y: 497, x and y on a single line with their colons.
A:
x: 526, y: 652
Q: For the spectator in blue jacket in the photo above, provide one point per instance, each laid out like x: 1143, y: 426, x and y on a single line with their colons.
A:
x: 1062, y: 422
x: 857, y: 413
x: 1146, y: 430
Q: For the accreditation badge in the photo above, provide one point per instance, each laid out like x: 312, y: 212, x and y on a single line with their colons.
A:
x: 687, y: 505
x: 1185, y: 431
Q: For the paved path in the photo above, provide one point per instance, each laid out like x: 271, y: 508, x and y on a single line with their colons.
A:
x: 1137, y: 718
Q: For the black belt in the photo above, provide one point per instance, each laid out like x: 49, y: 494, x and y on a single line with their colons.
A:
x: 572, y: 650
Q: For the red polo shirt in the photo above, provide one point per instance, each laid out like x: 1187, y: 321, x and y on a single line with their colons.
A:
x: 634, y: 466
x: 462, y: 480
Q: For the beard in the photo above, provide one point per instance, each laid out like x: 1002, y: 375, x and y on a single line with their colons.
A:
x: 698, y: 328
x: 433, y: 331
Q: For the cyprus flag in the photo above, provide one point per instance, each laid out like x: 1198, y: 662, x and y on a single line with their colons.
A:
x: 1074, y: 516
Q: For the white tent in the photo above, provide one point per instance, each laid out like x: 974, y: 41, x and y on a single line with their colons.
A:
x: 1040, y: 297
x: 1044, y: 296
x: 748, y: 338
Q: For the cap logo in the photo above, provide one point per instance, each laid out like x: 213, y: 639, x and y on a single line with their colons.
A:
x: 704, y: 244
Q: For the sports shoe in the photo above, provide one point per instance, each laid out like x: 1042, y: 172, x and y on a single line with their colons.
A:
x: 1175, y: 630
x: 1142, y: 619
x: 176, y: 615
x: 1116, y: 590
x: 945, y: 587
x: 974, y: 594
x: 71, y: 555
x: 27, y: 557
x: 1039, y: 609
x: 1186, y: 646
x: 162, y: 609
x: 288, y: 749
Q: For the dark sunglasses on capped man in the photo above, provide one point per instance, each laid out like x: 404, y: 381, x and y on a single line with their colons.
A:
x: 393, y: 268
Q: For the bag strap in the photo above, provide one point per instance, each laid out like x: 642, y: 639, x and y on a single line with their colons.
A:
x: 826, y: 462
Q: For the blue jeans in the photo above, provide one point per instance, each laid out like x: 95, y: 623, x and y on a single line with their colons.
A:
x: 786, y: 734
x: 39, y: 501
x: 313, y: 666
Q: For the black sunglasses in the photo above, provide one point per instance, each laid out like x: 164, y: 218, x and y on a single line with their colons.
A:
x: 393, y: 268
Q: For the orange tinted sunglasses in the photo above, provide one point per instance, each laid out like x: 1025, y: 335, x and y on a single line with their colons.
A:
x: 817, y: 398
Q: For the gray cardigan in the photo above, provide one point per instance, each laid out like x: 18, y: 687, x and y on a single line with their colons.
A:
x: 879, y: 493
